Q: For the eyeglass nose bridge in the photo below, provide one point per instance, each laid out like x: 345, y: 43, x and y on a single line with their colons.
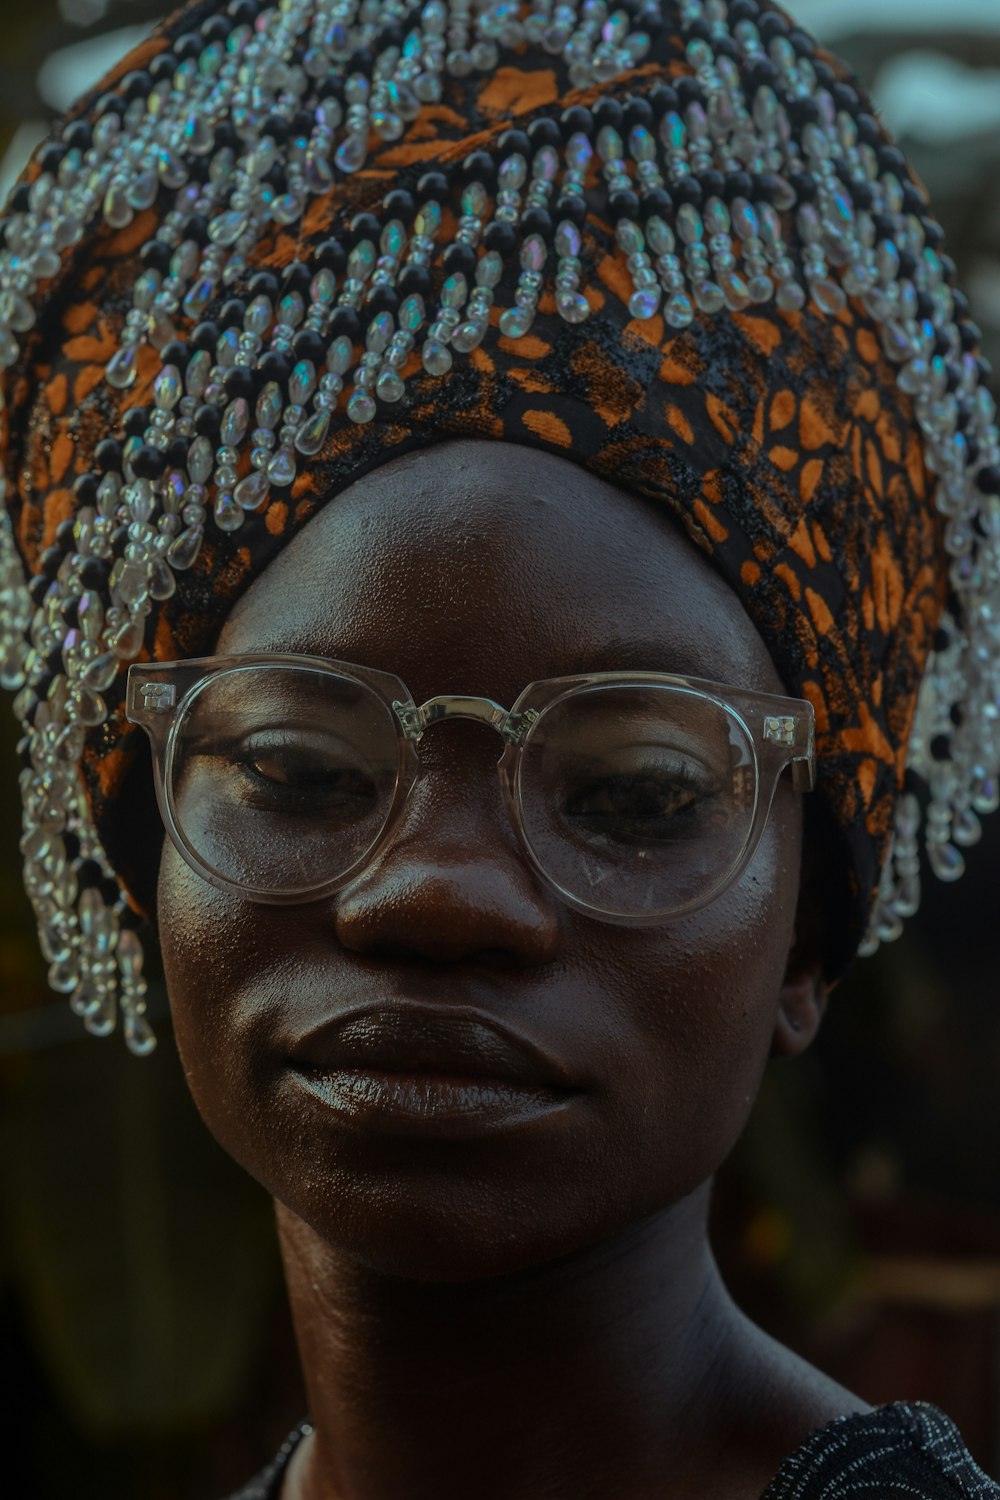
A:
x: 415, y: 720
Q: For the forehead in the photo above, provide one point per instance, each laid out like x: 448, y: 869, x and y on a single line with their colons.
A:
x: 478, y: 566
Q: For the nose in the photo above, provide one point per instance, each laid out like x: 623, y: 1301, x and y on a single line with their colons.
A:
x: 451, y: 882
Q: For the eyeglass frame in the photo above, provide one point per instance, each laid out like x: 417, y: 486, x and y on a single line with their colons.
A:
x: 159, y: 693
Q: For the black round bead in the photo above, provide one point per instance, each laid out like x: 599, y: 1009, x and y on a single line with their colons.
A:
x: 461, y: 260
x: 70, y: 613
x: 156, y: 256
x: 513, y: 142
x: 119, y: 539
x: 137, y: 85
x: 940, y: 747
x: 844, y: 97
x: 176, y: 353
x: 971, y: 335
x: 414, y: 281
x: 263, y: 284
x: 303, y: 122
x: 697, y: 31
x: 960, y: 302
x: 984, y: 370
x: 207, y: 421
x: 479, y: 166
x: 571, y: 206
x: 51, y: 561
x: 891, y: 159
x: 399, y: 204
x: 869, y: 130
x: 914, y: 201
x: 277, y: 127
x: 925, y: 306
x: 803, y: 186
x: 188, y: 46
x: 664, y: 100
x: 276, y: 177
x: 164, y: 66
x: 608, y: 112
x: 884, y: 227
x: 727, y: 46
x: 989, y: 480
x: 226, y: 134
x: 761, y: 73
x: 78, y: 135
x: 949, y: 267
x: 196, y: 228
x: 215, y: 29
x: 296, y: 277
x: 149, y: 463
x: 688, y: 190
x: 433, y: 187
x: 85, y: 489
x: 825, y: 74
x: 136, y: 421
x: 177, y: 453
x: 233, y: 312
x: 863, y: 195
x: 390, y: 36
x: 766, y: 186
x: 94, y: 572
x: 907, y: 264
x: 544, y: 132
x: 274, y: 366
x: 383, y: 299
x: 308, y: 344
x: 656, y: 204
x: 64, y: 534
x: 802, y: 112
x: 364, y: 227
x: 243, y: 12
x: 624, y: 204
x: 109, y: 104
x: 331, y: 256
x: 536, y: 220
x: 239, y: 381
x: 689, y: 91
x: 206, y: 336
x: 743, y: 10
x: 108, y: 455
x: 713, y: 183
x: 500, y: 237
x: 638, y: 111
x: 53, y: 664
x: 576, y: 121
x: 38, y: 588
x: 362, y: 61
x: 772, y: 25
x: 971, y: 444
x: 52, y: 157
x: 802, y: 42
x: 345, y: 320
x: 738, y: 185
x: 954, y: 375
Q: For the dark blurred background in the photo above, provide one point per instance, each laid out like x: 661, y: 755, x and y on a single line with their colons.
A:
x: 145, y: 1348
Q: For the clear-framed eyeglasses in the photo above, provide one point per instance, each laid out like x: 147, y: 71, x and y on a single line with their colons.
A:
x: 635, y: 796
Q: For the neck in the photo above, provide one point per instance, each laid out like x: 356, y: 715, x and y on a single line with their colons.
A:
x: 599, y: 1373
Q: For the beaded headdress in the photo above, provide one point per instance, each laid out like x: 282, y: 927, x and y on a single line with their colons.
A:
x: 666, y: 239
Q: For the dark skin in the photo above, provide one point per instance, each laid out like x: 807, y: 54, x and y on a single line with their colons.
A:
x: 536, y: 1316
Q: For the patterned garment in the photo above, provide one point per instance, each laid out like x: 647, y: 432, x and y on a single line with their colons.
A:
x: 903, y: 1451
x: 780, y: 442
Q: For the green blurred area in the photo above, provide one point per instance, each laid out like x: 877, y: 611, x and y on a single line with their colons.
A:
x: 146, y: 1350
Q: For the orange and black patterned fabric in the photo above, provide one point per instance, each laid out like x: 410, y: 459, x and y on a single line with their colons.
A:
x: 780, y: 443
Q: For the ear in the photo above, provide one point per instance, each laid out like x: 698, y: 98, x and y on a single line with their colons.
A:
x: 804, y: 991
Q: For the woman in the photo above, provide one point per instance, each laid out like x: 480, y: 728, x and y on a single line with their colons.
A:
x: 661, y: 448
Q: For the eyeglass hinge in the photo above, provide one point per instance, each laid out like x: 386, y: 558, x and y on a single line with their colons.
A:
x: 517, y: 725
x: 411, y: 719
x: 780, y: 731
x: 158, y: 697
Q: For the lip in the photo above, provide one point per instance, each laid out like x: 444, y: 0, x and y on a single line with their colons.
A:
x: 457, y: 1041
x: 428, y: 1070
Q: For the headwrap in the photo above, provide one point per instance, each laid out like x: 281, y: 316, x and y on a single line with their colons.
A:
x: 281, y: 245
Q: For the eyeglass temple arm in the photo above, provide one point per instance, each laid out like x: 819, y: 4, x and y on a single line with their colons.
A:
x: 796, y: 733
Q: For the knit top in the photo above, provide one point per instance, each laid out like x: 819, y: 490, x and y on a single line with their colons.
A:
x: 909, y: 1450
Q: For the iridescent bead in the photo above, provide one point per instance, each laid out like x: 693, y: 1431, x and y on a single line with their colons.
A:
x: 389, y: 386
x: 229, y: 515
x: 436, y: 357
x: 380, y: 331
x: 534, y: 253
x: 516, y: 321
x: 269, y: 406
x: 252, y: 491
x: 168, y: 388
x: 412, y: 313
x: 644, y: 302
x: 311, y: 436
x: 361, y: 407
x: 282, y: 468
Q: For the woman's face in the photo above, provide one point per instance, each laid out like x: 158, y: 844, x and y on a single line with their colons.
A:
x: 478, y: 567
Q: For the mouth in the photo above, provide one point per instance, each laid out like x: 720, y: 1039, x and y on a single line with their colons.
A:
x: 438, y: 1070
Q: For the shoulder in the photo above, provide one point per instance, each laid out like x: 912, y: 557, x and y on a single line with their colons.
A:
x: 909, y: 1450
x: 267, y: 1484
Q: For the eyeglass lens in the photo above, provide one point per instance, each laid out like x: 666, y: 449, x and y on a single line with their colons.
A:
x: 634, y: 798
